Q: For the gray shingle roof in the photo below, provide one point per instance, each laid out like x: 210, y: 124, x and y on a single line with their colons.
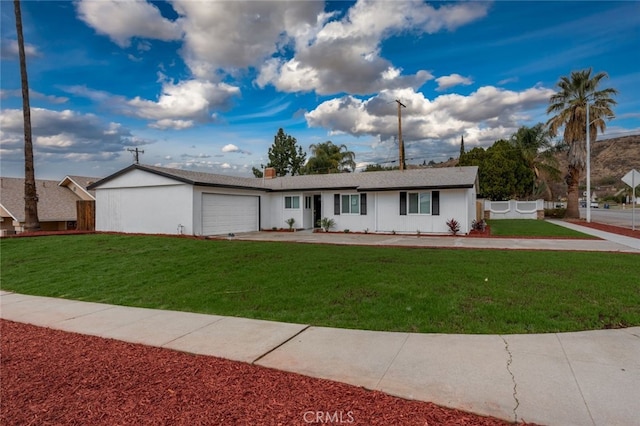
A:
x: 430, y: 178
x: 454, y: 177
x: 55, y: 203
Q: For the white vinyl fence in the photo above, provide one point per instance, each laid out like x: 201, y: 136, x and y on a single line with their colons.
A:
x: 514, y: 209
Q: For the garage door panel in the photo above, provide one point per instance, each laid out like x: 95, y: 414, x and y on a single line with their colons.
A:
x: 222, y: 214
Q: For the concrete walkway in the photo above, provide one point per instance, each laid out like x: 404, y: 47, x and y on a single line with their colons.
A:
x: 585, y: 378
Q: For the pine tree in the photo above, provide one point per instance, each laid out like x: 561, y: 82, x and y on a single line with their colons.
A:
x: 285, y: 156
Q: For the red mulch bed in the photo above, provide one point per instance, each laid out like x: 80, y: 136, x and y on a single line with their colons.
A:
x: 609, y: 228
x: 51, y: 377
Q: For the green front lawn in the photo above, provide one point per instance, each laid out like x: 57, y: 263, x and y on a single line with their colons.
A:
x: 395, y: 289
x: 532, y: 228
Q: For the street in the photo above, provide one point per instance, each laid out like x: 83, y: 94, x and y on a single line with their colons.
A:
x: 617, y: 217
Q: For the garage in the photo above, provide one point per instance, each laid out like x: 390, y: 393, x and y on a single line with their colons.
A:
x: 223, y: 214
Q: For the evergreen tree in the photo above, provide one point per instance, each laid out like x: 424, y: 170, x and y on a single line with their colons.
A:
x: 461, y: 146
x: 285, y: 156
x: 502, y: 171
x: 257, y: 172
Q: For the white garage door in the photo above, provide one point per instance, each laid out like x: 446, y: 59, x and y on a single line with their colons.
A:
x: 222, y: 214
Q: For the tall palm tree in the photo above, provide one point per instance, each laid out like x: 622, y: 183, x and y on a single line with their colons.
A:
x: 569, y: 105
x: 329, y: 158
x: 31, y: 221
x: 536, y: 149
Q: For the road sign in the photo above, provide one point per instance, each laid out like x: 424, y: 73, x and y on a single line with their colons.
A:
x: 632, y: 178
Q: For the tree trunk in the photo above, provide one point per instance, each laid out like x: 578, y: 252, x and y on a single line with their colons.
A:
x: 573, y: 193
x: 31, y: 221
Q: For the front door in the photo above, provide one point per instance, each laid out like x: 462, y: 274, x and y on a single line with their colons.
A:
x: 317, y: 210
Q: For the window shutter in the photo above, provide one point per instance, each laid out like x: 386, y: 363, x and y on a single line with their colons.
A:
x: 435, y: 203
x: 363, y: 204
x: 403, y: 203
x: 336, y: 204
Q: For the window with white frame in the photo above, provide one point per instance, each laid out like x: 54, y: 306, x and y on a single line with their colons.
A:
x: 307, y: 202
x: 419, y: 202
x: 292, y: 202
x: 350, y: 204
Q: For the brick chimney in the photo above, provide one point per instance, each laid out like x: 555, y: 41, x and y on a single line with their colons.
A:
x: 269, y: 173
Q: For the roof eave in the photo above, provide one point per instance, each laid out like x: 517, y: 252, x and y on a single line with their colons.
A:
x: 68, y: 178
x: 427, y: 187
x: 10, y: 213
x: 138, y: 167
x: 314, y: 189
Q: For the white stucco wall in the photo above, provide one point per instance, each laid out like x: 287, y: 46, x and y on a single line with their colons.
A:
x: 352, y: 222
x: 145, y: 209
x: 274, y: 213
x: 454, y: 204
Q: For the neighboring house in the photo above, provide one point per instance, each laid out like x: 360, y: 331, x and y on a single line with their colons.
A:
x: 157, y: 200
x: 56, y: 202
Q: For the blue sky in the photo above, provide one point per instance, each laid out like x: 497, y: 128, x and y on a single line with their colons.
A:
x: 206, y: 85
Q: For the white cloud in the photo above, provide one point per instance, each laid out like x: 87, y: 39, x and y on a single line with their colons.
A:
x: 488, y: 114
x: 33, y: 95
x: 65, y: 135
x: 182, y: 104
x: 179, y: 106
x: 123, y: 20
x: 9, y: 49
x: 344, y: 55
x: 240, y: 34
x: 448, y: 81
x: 230, y: 148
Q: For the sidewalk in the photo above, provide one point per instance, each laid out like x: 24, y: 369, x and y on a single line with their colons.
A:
x: 584, y: 378
x: 614, y: 238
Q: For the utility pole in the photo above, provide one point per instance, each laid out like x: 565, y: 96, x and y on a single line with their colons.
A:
x: 400, y: 141
x: 136, y: 154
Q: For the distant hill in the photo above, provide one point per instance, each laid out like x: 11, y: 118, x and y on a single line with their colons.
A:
x: 611, y: 159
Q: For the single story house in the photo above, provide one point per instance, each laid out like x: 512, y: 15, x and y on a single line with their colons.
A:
x: 158, y: 200
x: 57, y: 202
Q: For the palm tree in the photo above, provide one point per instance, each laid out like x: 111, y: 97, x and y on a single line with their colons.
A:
x: 536, y: 149
x: 570, y: 106
x: 329, y: 158
x: 31, y: 221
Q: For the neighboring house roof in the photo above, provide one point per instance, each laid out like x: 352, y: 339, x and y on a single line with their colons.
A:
x: 432, y: 178
x: 81, y: 182
x: 55, y: 202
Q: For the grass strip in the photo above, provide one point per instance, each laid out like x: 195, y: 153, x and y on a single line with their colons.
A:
x: 532, y: 228
x: 375, y: 288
